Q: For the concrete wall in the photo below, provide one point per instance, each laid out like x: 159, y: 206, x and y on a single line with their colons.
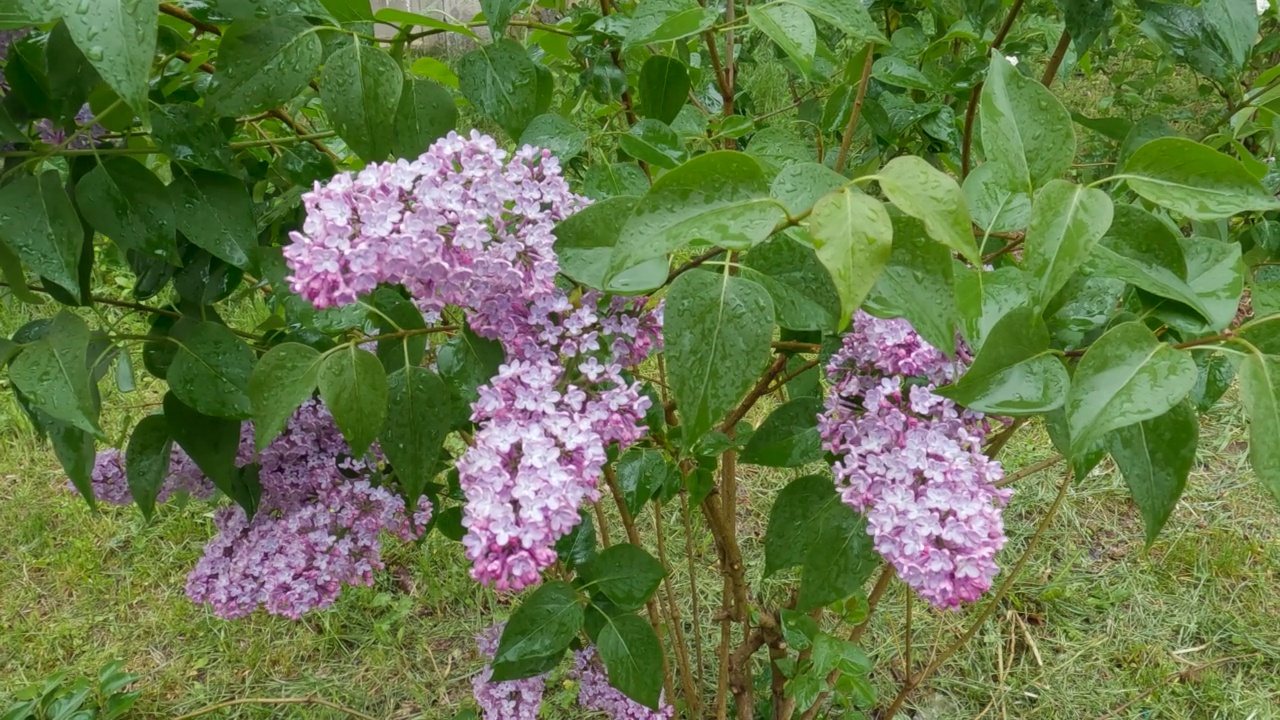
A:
x: 454, y: 10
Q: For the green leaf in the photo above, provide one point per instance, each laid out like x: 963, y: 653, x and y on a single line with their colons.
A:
x: 1156, y: 456
x: 605, y: 180
x: 281, y: 381
x: 39, y: 223
x: 853, y: 237
x: 803, y: 293
x: 212, y: 442
x: 393, y: 314
x: 1067, y: 220
x: 1015, y: 373
x: 468, y: 361
x: 118, y: 37
x: 788, y: 437
x: 426, y: 113
x: 211, y: 371
x: 1026, y: 132
x: 502, y: 83
x: 983, y: 297
x: 800, y: 186
x: 146, y: 461
x: 994, y: 207
x: 661, y: 21
x: 654, y: 142
x: 544, y: 625
x: 556, y: 134
x: 794, y: 521
x: 354, y: 388
x: 1262, y: 333
x: 719, y: 198
x: 1126, y: 376
x: 125, y: 201
x: 1085, y: 20
x: 585, y: 243
x: 396, y: 16
x: 75, y: 452
x: 642, y: 473
x: 187, y: 134
x: 432, y: 69
x: 840, y: 559
x: 933, y: 197
x: 780, y: 146
x: 1260, y: 391
x: 1235, y: 24
x: 664, y: 88
x: 497, y: 13
x: 918, y: 284
x: 1194, y: 180
x: 897, y: 71
x: 716, y: 338
x: 848, y: 16
x: 52, y: 372
x: 262, y: 64
x: 632, y: 655
x: 349, y: 11
x: 579, y: 546
x: 790, y: 28
x: 360, y: 87
x: 625, y: 573
x: 420, y: 412
x: 1217, y: 373
x: 215, y: 212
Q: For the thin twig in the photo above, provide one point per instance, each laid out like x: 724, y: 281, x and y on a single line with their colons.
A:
x: 693, y: 587
x: 757, y: 392
x: 976, y: 94
x: 693, y: 263
x: 1055, y: 61
x: 846, y: 142
x: 999, y: 441
x: 1030, y: 470
x: 309, y: 700
x: 188, y: 18
x: 691, y: 692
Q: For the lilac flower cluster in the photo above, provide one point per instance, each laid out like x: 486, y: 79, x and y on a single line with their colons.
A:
x: 316, y: 528
x: 111, y: 486
x: 51, y: 134
x: 912, y: 461
x: 465, y: 226
x: 509, y: 699
x: 597, y: 695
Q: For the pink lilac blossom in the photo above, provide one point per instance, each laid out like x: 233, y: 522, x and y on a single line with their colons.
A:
x: 315, y: 530
x: 912, y: 461
x: 111, y: 486
x: 509, y: 699
x: 595, y: 694
x: 465, y: 226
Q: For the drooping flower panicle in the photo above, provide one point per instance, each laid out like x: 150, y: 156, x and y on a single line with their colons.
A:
x: 912, y: 461
x: 508, y: 699
x: 595, y: 694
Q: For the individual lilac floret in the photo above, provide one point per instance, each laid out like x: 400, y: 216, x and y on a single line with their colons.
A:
x: 111, y: 486
x: 507, y: 700
x: 912, y: 461
x: 316, y: 528
x: 595, y: 694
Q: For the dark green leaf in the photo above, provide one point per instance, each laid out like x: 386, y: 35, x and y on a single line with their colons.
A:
x: 426, y: 112
x: 788, y: 437
x: 642, y: 473
x: 794, y: 521
x: 146, y: 461
x: 661, y: 21
x: 994, y: 207
x: 664, y: 88
x: 632, y: 655
x: 840, y: 560
x: 933, y: 197
x: 1156, y: 456
x: 853, y: 237
x: 39, y: 223
x: 1235, y: 25
x: 1263, y: 333
x: 716, y: 337
x: 262, y: 64
x: 1127, y: 376
x: 800, y: 186
x: 544, y: 624
x: 983, y: 297
x: 1194, y: 180
x: 611, y: 180
x: 1026, y: 132
x: 654, y: 142
x: 118, y: 37
x: 1067, y: 220
x: 848, y: 16
x: 349, y: 11
x: 211, y: 442
x: 497, y: 13
x: 625, y: 573
x: 1217, y: 373
x: 215, y: 212
x: 780, y: 146
x: 790, y: 28
x: 720, y: 198
x: 53, y: 373
x: 75, y: 452
x: 1260, y: 391
x: 360, y: 87
x: 187, y: 134
x: 1015, y: 373
x: 1085, y: 20
x: 211, y: 371
x: 468, y: 361
x: 125, y: 201
x: 804, y: 295
x: 281, y: 381
x: 585, y: 243
x: 354, y: 387
x: 918, y: 284
x: 579, y: 546
x: 420, y: 412
x: 502, y: 83
x: 556, y: 134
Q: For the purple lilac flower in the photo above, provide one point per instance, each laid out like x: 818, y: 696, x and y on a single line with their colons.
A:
x: 912, y: 461
x: 51, y: 134
x: 112, y: 487
x: 595, y: 694
x: 316, y: 529
x: 464, y: 226
x: 507, y: 700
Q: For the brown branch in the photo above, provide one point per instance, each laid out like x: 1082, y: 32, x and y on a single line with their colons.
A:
x: 309, y: 700
x: 792, y: 346
x: 693, y: 263
x: 1009, y: 247
x: 1055, y: 61
x: 976, y: 94
x: 188, y: 18
x: 606, y: 8
x: 757, y: 392
x: 693, y: 586
x: 942, y: 657
x: 673, y: 619
x: 846, y: 142
x: 782, y: 381
x: 1030, y: 470
x: 999, y: 441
